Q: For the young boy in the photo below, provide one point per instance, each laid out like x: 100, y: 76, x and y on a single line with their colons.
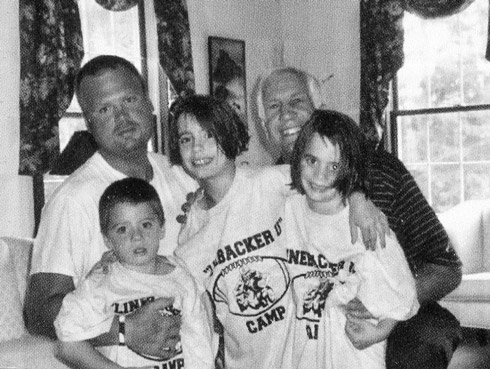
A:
x: 132, y: 223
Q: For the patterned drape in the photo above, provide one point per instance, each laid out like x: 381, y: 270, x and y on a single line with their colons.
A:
x: 51, y: 50
x: 174, y: 39
x: 382, y: 51
x: 117, y: 5
x: 174, y: 44
x: 436, y: 8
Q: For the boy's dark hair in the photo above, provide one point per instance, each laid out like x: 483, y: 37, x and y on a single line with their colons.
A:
x: 216, y: 117
x: 103, y: 62
x: 128, y: 190
x: 343, y: 131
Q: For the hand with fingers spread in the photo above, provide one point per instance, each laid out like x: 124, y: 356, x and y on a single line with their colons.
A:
x: 371, y: 221
x: 149, y: 332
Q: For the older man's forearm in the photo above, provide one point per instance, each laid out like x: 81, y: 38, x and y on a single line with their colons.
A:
x: 435, y: 281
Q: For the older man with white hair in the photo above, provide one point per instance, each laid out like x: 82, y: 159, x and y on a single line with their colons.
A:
x: 286, y: 99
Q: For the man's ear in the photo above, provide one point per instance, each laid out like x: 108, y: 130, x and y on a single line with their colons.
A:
x: 108, y: 242
x: 88, y: 124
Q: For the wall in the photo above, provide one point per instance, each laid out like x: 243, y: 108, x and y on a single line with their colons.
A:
x: 323, y: 38
x: 319, y: 36
x: 254, y: 21
x: 16, y: 204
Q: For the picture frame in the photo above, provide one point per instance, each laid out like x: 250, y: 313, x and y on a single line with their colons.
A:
x: 227, y: 72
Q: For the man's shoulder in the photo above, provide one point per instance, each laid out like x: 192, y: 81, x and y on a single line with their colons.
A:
x: 272, y: 177
x: 386, y: 167
x: 87, y: 181
x: 381, y: 158
x: 163, y: 164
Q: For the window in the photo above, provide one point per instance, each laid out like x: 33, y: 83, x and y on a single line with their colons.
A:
x: 441, y: 106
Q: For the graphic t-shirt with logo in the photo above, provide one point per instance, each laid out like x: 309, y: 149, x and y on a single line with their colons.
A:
x: 326, y: 272
x: 234, y: 250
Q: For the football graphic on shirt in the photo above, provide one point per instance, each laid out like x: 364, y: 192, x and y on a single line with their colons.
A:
x: 251, y: 285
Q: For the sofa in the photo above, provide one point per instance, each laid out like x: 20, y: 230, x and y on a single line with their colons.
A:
x: 468, y: 227
x: 19, y: 349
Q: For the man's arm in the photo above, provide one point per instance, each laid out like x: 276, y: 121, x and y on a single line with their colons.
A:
x: 363, y: 214
x: 44, y: 295
x: 435, y: 281
x: 434, y: 262
x: 147, y: 331
x: 435, y: 265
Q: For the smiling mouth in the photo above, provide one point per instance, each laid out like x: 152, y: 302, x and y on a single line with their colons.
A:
x: 293, y: 131
x: 126, y: 129
x: 140, y: 251
x: 201, y: 162
x: 318, y: 188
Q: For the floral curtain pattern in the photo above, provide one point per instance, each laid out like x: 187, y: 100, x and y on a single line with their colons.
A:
x: 382, y: 52
x: 174, y: 44
x: 436, y: 8
x: 117, y: 5
x: 381, y: 57
x: 51, y: 50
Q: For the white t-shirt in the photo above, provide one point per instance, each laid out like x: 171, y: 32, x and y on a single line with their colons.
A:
x: 327, y: 271
x: 234, y: 251
x: 69, y: 240
x: 88, y: 312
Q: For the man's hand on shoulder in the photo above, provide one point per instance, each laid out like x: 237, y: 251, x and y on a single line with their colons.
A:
x: 371, y: 221
x: 149, y: 332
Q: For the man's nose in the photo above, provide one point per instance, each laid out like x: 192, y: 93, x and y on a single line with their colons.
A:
x: 286, y: 111
x: 120, y: 112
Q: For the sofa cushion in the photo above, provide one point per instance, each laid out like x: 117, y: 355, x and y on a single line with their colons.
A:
x: 11, y: 320
x: 486, y: 235
x: 473, y: 287
x: 29, y: 352
x: 464, y: 226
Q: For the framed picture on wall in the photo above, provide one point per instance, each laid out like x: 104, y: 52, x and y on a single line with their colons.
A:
x: 227, y: 78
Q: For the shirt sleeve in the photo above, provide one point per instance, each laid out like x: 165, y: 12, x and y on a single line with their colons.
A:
x: 417, y: 227
x: 65, y: 239
x: 83, y: 314
x: 421, y: 228
x: 387, y: 287
x: 198, y: 342
x: 277, y: 180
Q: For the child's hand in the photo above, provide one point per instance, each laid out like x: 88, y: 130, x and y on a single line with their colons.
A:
x: 364, y: 333
x: 356, y: 308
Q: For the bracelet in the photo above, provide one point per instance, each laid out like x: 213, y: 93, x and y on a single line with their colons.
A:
x: 122, y: 330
